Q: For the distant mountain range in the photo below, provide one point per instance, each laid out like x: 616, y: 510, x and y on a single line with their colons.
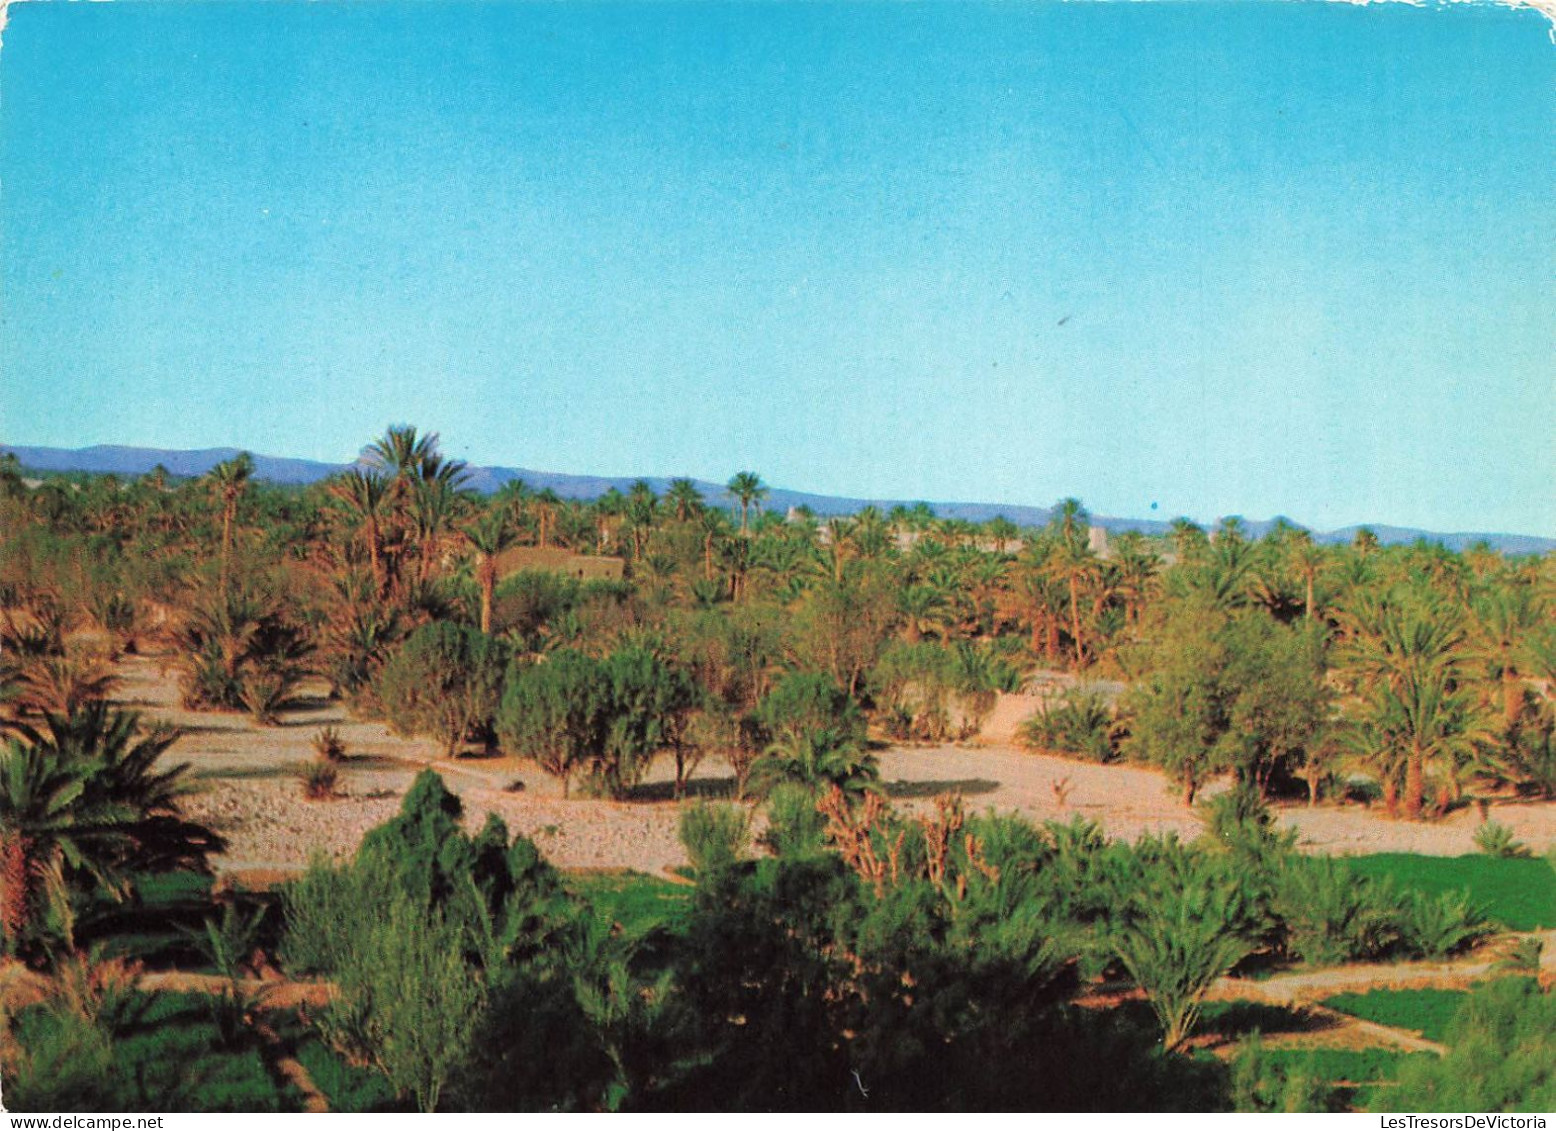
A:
x: 119, y: 460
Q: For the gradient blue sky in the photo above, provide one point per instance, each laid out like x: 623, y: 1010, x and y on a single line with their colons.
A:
x: 1240, y: 258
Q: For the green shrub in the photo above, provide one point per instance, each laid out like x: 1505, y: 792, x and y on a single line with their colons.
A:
x: 1080, y: 723
x: 794, y: 825
x: 1496, y: 839
x: 1185, y: 939
x: 1436, y: 926
x: 715, y: 836
x: 444, y: 682
x: 1331, y: 915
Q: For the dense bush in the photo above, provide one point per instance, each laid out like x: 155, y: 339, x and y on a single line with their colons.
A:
x: 601, y: 720
x: 714, y: 836
x: 1081, y: 723
x: 445, y: 682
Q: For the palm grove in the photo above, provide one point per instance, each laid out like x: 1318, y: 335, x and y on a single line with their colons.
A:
x: 772, y: 647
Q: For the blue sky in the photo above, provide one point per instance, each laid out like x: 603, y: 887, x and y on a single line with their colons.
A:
x: 1245, y: 258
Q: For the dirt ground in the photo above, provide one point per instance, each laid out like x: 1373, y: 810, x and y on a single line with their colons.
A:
x: 251, y: 795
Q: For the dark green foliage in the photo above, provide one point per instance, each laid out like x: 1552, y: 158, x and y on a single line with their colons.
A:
x: 804, y: 989
x: 159, y: 1052
x: 601, y: 720
x: 1262, y: 1083
x: 1427, y: 1012
x: 1501, y: 1055
x: 346, y: 1087
x: 445, y: 682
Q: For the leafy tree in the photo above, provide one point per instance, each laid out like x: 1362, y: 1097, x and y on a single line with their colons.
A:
x: 555, y: 712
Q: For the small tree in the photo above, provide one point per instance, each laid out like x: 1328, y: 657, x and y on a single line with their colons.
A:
x: 445, y: 681
x: 555, y: 713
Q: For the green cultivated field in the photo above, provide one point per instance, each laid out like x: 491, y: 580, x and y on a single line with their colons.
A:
x: 1421, y: 1011
x: 1521, y: 894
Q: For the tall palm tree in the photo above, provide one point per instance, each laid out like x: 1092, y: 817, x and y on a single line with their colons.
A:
x: 545, y: 504
x: 1073, y: 562
x: 364, y: 494
x: 228, y: 481
x: 1306, y: 559
x: 488, y: 537
x: 684, y: 499
x: 749, y: 490
x: 642, y: 510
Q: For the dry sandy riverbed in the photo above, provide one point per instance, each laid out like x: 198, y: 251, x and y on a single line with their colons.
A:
x: 250, y: 793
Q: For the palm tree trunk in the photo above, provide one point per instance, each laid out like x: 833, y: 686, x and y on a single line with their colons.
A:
x: 16, y: 874
x: 1075, y: 622
x: 374, y: 556
x: 1512, y: 696
x: 1415, y: 783
x: 226, y: 544
x: 488, y: 585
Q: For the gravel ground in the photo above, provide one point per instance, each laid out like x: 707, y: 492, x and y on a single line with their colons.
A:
x: 251, y: 795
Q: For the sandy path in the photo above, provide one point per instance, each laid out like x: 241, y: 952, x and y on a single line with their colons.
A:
x: 252, y: 797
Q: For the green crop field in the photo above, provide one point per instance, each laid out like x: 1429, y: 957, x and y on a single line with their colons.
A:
x: 1421, y: 1011
x: 1519, y: 893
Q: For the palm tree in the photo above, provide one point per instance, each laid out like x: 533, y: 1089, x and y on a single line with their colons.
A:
x: 488, y: 537
x: 642, y: 509
x: 1504, y: 619
x: 1188, y: 539
x: 684, y: 499
x: 39, y: 797
x: 434, y: 506
x: 1306, y: 559
x: 1409, y: 724
x: 228, y: 481
x: 84, y: 801
x: 364, y: 494
x: 1070, y: 523
x: 545, y: 504
x: 748, y: 489
x: 1073, y: 562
